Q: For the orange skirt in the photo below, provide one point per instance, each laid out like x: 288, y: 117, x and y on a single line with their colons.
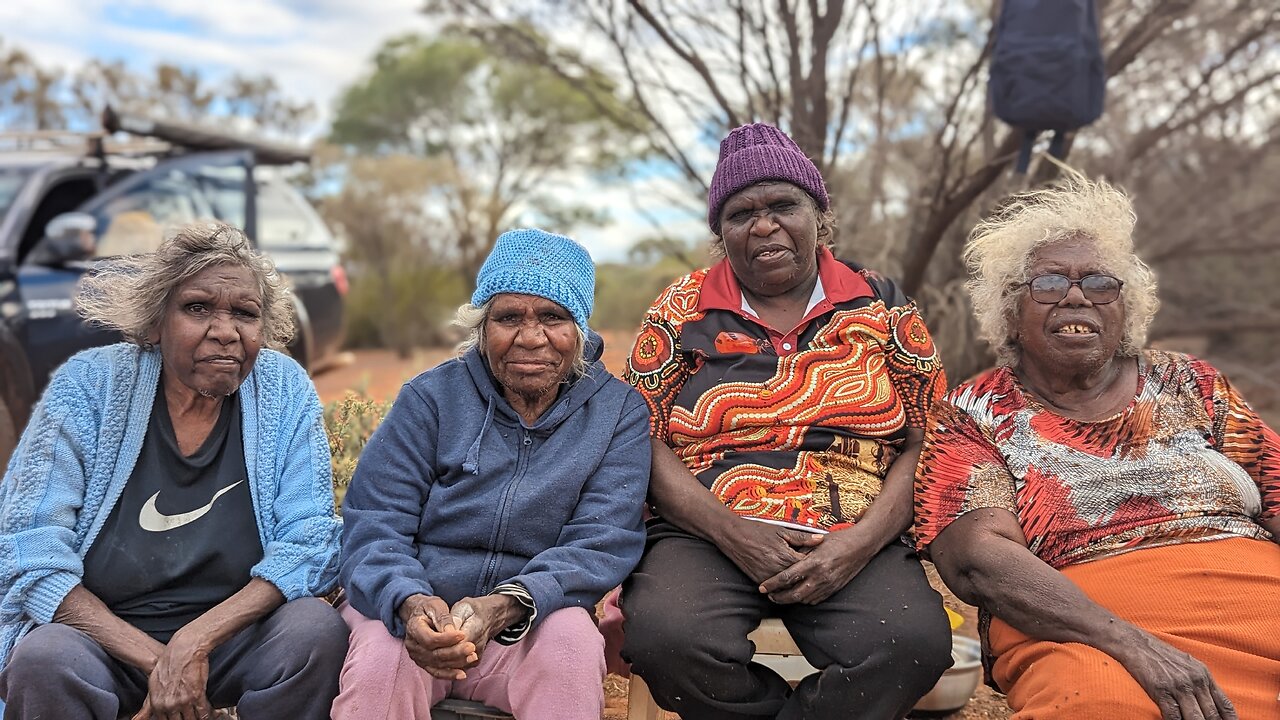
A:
x: 1219, y: 601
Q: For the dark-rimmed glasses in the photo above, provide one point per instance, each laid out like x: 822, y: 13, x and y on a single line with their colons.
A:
x: 1051, y: 288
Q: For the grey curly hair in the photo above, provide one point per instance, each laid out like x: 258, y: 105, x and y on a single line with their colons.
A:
x: 998, y: 255
x: 131, y: 293
x: 471, y: 319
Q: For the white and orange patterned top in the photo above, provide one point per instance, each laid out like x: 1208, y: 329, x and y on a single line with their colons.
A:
x: 1187, y: 461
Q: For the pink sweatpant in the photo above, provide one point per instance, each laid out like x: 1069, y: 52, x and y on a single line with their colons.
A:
x: 556, y: 671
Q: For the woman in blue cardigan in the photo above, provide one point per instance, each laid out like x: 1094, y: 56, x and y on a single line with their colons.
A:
x: 167, y: 520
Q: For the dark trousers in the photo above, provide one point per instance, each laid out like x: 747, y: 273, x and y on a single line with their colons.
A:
x: 881, y: 642
x: 284, y: 666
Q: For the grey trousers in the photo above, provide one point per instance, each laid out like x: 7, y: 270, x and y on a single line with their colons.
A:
x: 284, y: 666
x: 881, y: 642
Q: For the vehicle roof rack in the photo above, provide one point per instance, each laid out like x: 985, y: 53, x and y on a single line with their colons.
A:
x: 93, y: 143
x: 187, y: 136
x: 45, y: 140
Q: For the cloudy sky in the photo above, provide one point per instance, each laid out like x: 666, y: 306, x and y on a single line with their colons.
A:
x: 313, y: 48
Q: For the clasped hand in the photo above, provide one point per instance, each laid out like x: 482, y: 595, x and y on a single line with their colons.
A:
x: 793, y: 566
x: 447, y: 641
x: 177, y: 684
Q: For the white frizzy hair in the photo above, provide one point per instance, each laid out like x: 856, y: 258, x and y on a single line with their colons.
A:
x: 998, y: 255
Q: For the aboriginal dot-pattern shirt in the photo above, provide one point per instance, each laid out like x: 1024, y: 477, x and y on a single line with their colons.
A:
x: 1186, y: 461
x: 793, y: 427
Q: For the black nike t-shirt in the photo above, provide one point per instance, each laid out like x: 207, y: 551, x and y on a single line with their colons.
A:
x: 183, y: 535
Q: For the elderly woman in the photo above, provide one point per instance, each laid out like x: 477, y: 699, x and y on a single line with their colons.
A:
x: 1114, y: 509
x: 499, y: 500
x: 788, y: 393
x: 167, y: 518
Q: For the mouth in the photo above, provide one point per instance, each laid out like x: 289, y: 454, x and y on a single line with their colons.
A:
x: 529, y: 365
x: 1077, y: 329
x: 771, y: 252
x: 222, y: 361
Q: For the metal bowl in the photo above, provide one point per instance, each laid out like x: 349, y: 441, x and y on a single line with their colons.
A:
x: 957, y: 684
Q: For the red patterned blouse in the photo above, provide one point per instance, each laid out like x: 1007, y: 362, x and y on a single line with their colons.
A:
x: 796, y: 428
x: 1188, y: 460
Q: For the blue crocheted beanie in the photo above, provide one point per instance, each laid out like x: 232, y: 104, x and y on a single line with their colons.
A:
x: 536, y: 262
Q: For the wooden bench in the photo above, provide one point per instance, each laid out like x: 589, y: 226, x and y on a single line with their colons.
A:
x: 453, y: 709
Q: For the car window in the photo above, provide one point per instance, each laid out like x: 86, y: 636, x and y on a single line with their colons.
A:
x: 284, y: 221
x: 11, y: 182
x: 224, y: 188
x: 136, y: 221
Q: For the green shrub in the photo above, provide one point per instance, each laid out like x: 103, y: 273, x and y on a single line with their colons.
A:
x: 350, y: 422
x: 410, y: 307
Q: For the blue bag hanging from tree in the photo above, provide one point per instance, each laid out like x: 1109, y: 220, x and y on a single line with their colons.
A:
x: 1047, y: 71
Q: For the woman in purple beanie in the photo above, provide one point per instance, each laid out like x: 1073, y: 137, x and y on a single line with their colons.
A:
x: 788, y: 391
x: 495, y: 505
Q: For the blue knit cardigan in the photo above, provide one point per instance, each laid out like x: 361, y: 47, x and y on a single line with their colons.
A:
x: 81, y: 446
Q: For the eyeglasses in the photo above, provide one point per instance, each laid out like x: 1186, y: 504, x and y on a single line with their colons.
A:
x: 1051, y: 288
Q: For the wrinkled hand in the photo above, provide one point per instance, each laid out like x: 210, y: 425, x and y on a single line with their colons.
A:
x: 1180, y: 685
x: 433, y: 640
x: 823, y: 570
x: 762, y: 550
x: 481, y: 619
x: 177, y: 685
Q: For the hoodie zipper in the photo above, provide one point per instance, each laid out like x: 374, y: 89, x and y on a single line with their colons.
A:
x: 522, y: 464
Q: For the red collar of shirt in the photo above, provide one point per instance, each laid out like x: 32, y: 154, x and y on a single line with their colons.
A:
x: 721, y: 291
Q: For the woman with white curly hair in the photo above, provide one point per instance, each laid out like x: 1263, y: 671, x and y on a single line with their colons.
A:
x: 1112, y: 509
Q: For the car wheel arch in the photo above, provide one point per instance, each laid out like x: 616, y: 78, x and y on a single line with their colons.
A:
x: 299, y: 348
x: 17, y: 393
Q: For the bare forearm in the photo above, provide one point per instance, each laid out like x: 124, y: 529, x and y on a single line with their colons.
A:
x: 890, y: 513
x: 1273, y: 526
x: 1011, y: 583
x: 679, y: 498
x: 253, y: 602
x: 85, y: 612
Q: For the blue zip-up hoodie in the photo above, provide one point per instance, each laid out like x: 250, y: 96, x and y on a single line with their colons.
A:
x: 455, y: 494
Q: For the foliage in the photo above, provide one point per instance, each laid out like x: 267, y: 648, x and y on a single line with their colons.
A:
x: 890, y: 101
x: 401, y: 288
x: 38, y: 97
x: 350, y: 423
x: 406, y: 308
x: 501, y: 133
x: 625, y: 291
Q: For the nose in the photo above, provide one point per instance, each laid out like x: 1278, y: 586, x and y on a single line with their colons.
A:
x: 1075, y: 297
x: 763, y: 224
x: 222, y: 328
x: 531, y: 335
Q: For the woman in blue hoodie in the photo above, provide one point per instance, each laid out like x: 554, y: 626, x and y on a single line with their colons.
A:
x: 499, y: 500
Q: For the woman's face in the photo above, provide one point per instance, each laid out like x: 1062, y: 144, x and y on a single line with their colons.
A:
x: 1073, y: 335
x: 770, y: 233
x: 211, y: 331
x: 530, y: 343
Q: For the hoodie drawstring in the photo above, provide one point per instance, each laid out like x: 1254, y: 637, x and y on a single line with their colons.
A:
x: 472, y: 463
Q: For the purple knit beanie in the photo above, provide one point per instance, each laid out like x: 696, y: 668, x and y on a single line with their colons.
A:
x: 757, y: 152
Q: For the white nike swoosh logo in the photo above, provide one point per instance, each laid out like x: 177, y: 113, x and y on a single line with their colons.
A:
x: 153, y: 520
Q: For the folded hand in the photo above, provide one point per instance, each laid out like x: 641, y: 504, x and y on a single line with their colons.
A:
x: 824, y: 569
x: 433, y: 640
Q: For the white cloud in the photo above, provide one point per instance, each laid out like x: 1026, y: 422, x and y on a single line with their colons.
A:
x: 313, y: 49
